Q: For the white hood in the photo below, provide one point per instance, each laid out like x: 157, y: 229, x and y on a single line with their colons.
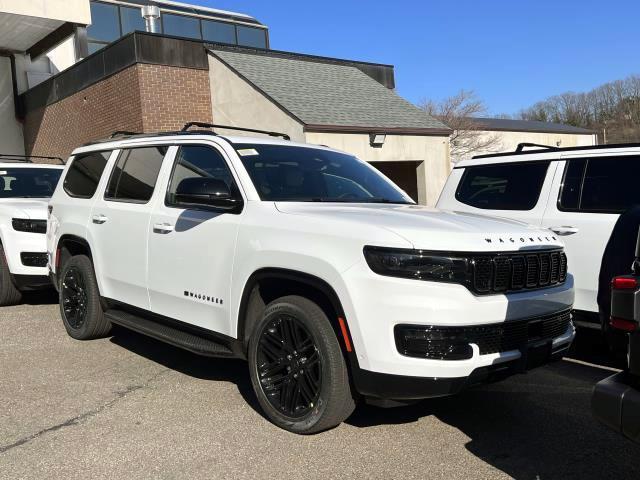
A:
x: 29, y: 208
x: 431, y: 229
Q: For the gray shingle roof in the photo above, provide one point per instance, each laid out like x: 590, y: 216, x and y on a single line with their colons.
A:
x: 327, y: 94
x: 512, y: 125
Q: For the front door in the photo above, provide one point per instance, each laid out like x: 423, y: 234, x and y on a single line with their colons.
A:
x: 119, y: 224
x: 191, y: 247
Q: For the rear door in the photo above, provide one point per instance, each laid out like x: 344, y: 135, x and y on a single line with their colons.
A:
x: 119, y: 225
x: 587, y: 196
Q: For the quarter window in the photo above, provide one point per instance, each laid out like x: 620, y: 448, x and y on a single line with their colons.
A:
x: 610, y: 184
x: 514, y: 186
x: 195, y: 161
x: 84, y: 174
x: 134, y: 175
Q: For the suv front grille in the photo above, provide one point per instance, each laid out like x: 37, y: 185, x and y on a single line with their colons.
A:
x: 507, y: 272
x: 448, y: 343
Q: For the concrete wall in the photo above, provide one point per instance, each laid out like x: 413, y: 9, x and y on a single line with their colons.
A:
x: 431, y: 151
x: 236, y: 102
x: 11, y: 139
x: 508, y: 141
x: 76, y: 11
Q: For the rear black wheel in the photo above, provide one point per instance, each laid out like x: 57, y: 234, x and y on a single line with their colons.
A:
x: 79, y: 297
x: 297, y: 368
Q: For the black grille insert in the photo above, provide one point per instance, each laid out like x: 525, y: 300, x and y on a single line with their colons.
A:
x: 448, y: 343
x: 503, y: 272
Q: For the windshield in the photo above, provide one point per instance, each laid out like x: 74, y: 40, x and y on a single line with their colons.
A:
x: 300, y: 174
x: 28, y: 182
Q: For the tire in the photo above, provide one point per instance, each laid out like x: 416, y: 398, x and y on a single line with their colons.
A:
x: 319, y: 392
x: 79, y: 300
x: 9, y: 294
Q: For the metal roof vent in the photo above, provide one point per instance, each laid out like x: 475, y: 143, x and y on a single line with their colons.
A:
x: 151, y: 14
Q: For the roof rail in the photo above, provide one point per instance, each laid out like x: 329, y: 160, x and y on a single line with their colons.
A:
x: 10, y: 157
x: 188, y: 125
x: 521, y: 146
x: 119, y: 133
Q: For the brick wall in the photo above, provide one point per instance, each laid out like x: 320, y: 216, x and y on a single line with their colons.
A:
x: 141, y: 98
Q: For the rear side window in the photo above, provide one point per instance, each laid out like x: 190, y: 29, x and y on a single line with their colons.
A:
x: 134, y: 174
x: 84, y: 174
x: 514, y: 186
x: 604, y: 185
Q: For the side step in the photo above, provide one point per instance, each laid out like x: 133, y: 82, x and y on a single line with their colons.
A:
x: 165, y: 333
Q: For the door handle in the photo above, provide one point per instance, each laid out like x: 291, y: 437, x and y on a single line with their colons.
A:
x: 162, y: 228
x: 564, y: 230
x: 99, y: 219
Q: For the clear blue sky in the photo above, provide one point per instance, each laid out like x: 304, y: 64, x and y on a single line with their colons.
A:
x: 512, y: 53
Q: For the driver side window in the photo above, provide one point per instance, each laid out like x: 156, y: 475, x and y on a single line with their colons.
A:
x: 199, y: 161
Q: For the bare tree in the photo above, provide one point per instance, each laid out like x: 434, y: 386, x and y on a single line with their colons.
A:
x: 612, y: 110
x: 458, y: 113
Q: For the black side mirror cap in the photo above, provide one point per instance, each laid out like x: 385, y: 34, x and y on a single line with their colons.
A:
x: 203, y: 191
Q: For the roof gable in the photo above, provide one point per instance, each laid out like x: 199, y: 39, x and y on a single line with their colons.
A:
x: 327, y: 94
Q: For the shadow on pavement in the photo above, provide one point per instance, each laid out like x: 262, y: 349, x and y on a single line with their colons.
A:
x: 48, y: 296
x: 187, y: 363
x: 532, y: 426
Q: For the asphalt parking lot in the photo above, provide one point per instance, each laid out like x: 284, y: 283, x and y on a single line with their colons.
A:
x: 131, y: 407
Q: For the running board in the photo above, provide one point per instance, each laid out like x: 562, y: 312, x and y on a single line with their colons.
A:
x: 165, y: 333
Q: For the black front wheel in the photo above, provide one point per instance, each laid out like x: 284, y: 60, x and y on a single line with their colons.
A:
x: 297, y: 368
x: 79, y: 297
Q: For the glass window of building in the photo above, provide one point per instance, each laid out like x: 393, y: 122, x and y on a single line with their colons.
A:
x: 131, y: 20
x: 252, y: 37
x: 105, y: 25
x: 180, y: 26
x: 222, y: 32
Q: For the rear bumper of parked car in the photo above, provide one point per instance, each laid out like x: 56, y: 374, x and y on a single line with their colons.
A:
x: 616, y: 403
x: 385, y: 303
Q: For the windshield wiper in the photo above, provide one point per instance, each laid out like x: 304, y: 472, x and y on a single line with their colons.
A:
x: 358, y: 200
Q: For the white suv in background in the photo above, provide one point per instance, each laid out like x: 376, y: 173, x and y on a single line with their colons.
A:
x: 25, y: 189
x: 576, y: 192
x: 307, y: 262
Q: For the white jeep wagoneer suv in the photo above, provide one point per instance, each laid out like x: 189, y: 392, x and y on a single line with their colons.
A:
x: 307, y: 262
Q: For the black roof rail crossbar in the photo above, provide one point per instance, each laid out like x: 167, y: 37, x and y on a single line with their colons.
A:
x: 118, y: 133
x: 559, y: 149
x: 26, y: 158
x: 521, y: 146
x: 188, y: 125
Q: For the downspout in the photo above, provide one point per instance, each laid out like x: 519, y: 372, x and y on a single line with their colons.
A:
x: 14, y: 83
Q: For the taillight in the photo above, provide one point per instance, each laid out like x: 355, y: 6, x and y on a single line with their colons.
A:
x: 622, y: 324
x: 624, y: 283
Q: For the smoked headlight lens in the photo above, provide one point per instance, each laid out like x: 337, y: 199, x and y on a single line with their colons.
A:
x: 26, y: 225
x: 417, y: 264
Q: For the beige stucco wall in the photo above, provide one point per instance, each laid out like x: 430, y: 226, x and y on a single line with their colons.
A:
x: 236, y: 102
x: 432, y: 151
x: 11, y: 139
x: 508, y: 141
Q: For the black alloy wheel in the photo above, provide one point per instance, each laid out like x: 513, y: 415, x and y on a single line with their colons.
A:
x: 74, y: 297
x: 289, y: 366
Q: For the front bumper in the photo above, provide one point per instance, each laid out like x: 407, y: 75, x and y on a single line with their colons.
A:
x: 616, y: 403
x: 403, y: 388
x: 376, y: 305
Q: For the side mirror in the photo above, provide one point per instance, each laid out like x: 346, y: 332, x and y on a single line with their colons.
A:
x: 205, y: 191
